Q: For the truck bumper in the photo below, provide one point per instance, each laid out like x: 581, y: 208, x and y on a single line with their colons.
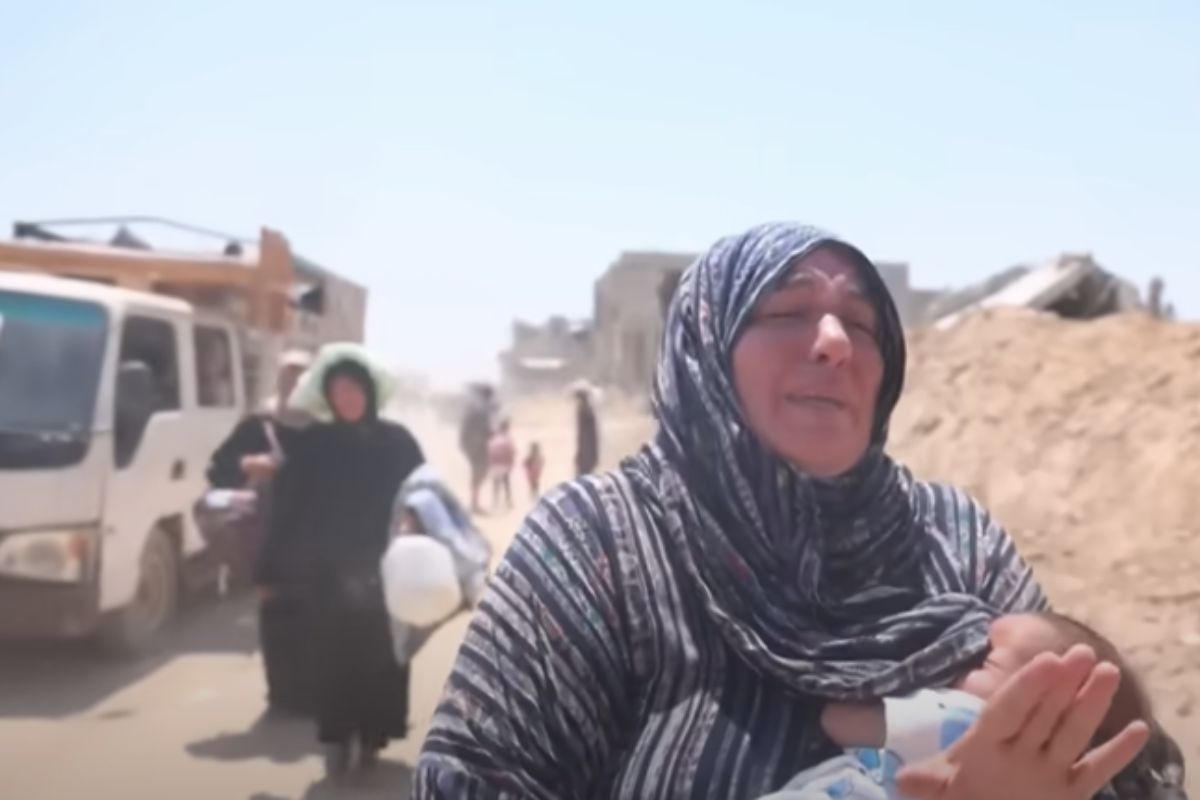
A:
x: 32, y: 609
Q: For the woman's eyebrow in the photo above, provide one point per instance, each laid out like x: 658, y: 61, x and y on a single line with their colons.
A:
x: 806, y: 280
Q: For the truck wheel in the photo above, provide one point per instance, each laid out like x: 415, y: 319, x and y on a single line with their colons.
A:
x: 134, y: 628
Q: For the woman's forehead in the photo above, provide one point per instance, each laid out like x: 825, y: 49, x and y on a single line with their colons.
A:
x: 826, y: 265
x: 346, y: 378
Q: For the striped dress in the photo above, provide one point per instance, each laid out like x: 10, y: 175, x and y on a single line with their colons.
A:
x: 592, y: 668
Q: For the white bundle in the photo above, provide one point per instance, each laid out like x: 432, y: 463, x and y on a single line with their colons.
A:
x: 419, y: 580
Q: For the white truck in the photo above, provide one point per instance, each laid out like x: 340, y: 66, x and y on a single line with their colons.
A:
x: 112, y: 401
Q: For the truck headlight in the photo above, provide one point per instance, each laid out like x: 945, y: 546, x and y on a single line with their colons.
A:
x: 63, y: 556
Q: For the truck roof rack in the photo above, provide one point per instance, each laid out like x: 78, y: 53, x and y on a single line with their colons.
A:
x: 252, y: 279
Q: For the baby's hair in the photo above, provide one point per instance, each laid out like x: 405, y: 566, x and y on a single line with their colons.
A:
x: 1131, y: 702
x: 1157, y: 772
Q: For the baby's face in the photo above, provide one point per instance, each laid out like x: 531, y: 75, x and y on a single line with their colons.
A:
x: 1015, y: 641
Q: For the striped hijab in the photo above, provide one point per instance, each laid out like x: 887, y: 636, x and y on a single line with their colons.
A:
x: 816, y: 582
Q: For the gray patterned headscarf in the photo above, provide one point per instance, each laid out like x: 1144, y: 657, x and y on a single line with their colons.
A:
x: 817, y: 582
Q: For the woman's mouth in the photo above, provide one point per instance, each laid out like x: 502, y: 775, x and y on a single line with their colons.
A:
x: 816, y: 400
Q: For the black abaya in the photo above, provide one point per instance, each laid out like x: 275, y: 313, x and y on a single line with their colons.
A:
x: 587, y: 439
x: 330, y: 527
x: 285, y: 633
x: 282, y: 619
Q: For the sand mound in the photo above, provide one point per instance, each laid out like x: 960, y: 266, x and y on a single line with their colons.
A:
x: 1084, y: 440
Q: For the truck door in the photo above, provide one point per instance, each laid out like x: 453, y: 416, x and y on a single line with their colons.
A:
x: 219, y: 405
x: 153, y: 475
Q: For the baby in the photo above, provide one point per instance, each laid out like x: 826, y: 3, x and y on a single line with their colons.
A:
x: 883, y: 737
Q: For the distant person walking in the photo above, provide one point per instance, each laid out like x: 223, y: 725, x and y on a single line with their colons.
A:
x: 535, y: 462
x: 587, y: 433
x: 502, y: 457
x: 474, y: 436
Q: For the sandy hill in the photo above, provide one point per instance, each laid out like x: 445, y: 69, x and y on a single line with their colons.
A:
x: 1084, y: 440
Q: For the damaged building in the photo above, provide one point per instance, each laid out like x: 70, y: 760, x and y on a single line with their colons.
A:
x: 546, y: 357
x: 619, y: 347
x: 630, y: 299
x: 911, y: 302
x: 1072, y: 286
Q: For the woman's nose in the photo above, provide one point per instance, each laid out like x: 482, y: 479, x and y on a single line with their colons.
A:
x: 832, y: 344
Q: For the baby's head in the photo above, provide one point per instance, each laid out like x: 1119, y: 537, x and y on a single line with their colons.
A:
x: 1016, y: 639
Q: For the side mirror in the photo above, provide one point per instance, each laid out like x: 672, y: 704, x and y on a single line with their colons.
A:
x: 135, y: 404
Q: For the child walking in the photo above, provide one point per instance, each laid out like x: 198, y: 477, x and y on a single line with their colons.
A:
x: 502, y: 456
x: 534, y: 464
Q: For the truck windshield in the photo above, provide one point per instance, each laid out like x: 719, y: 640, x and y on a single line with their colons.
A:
x: 51, y: 352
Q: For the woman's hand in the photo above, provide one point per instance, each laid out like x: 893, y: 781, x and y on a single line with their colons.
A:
x: 259, y: 468
x: 1031, y: 737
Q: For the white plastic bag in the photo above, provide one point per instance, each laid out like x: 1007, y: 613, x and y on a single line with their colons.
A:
x: 420, y: 582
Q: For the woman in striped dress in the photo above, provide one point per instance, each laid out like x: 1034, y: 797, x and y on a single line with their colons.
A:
x: 673, y: 628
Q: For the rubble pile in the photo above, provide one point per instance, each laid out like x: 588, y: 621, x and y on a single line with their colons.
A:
x: 1083, y: 438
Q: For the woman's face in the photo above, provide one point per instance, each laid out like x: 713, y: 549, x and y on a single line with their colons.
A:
x: 808, y: 367
x: 347, y: 399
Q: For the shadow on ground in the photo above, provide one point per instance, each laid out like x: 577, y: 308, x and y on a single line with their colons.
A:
x: 390, y: 780
x: 281, y: 739
x: 59, y: 679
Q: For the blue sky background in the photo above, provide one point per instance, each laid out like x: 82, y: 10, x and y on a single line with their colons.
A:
x: 475, y: 161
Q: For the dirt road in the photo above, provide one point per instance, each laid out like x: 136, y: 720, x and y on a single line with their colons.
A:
x: 187, y: 721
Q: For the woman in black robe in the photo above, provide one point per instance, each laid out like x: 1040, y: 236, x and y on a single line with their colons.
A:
x: 248, y: 459
x: 329, y: 531
x: 587, y: 432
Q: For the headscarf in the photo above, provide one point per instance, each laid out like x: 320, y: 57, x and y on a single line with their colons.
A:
x: 817, y: 582
x: 309, y: 396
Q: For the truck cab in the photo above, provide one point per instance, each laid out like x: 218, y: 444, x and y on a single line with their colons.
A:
x: 111, y: 403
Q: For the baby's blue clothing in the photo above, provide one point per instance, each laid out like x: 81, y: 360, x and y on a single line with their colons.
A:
x: 918, y: 726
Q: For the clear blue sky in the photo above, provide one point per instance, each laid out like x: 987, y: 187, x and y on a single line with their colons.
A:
x: 475, y: 161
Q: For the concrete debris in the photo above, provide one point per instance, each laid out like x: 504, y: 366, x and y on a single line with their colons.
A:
x: 1072, y: 286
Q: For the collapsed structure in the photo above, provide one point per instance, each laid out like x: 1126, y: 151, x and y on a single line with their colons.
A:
x: 1072, y: 286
